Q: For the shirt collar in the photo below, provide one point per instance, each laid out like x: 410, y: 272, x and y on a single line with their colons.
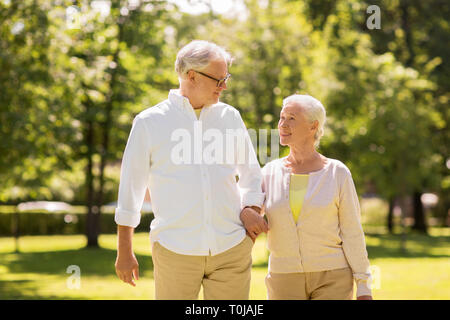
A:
x: 182, y: 102
x: 176, y: 98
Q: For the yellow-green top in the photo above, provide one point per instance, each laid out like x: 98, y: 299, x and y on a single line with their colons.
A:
x: 297, y: 191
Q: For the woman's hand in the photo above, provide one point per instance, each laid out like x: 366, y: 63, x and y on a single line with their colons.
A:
x: 253, y: 222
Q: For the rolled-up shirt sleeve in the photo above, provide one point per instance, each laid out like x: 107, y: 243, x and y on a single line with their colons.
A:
x: 352, y: 235
x: 134, y: 174
x: 249, y: 171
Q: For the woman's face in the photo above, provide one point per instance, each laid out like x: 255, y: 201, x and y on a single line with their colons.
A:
x: 293, y: 126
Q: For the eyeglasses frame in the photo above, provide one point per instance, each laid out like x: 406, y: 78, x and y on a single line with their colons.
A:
x: 219, y: 81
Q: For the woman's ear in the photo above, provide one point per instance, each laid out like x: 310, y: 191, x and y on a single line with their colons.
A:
x: 315, y: 125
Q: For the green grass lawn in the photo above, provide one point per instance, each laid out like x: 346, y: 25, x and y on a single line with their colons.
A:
x: 38, y: 271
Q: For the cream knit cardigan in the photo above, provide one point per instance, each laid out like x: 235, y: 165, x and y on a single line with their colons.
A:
x: 328, y: 234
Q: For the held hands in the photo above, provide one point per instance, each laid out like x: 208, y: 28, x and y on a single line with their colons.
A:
x: 127, y: 269
x: 253, y: 222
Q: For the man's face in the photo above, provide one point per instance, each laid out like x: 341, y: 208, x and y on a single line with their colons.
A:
x: 206, y: 90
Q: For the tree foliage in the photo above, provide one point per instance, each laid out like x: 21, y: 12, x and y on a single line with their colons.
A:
x: 69, y: 94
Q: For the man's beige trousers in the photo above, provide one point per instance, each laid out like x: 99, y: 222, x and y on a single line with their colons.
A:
x: 324, y: 285
x: 225, y: 276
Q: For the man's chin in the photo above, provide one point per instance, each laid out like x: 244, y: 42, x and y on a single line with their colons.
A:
x: 214, y: 101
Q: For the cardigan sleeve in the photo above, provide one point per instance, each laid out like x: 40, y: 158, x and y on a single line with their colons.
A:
x: 352, y: 235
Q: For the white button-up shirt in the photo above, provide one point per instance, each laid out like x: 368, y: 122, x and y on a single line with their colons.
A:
x: 191, y: 168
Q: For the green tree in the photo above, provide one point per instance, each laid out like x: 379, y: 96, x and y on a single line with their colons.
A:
x: 71, y: 92
x: 118, y: 61
x: 30, y: 124
x: 414, y: 32
x: 412, y: 79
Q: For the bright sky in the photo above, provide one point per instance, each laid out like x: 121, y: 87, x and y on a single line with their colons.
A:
x: 230, y: 8
x: 235, y: 7
x: 218, y: 6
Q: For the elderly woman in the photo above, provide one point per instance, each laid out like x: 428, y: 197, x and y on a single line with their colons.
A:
x: 315, y: 238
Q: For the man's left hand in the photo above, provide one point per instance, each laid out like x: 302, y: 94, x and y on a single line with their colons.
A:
x: 253, y: 222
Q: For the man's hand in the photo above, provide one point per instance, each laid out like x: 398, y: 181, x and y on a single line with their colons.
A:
x: 364, y: 298
x: 127, y: 269
x: 253, y: 222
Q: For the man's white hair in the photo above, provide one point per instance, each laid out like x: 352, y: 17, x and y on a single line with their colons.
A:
x: 314, y: 110
x: 197, y: 55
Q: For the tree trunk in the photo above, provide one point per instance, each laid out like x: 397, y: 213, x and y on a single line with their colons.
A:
x: 390, y: 217
x: 92, y: 216
x: 419, y: 213
x: 402, y: 203
x: 16, y: 229
x: 444, y: 209
x: 106, y: 126
x: 405, y: 24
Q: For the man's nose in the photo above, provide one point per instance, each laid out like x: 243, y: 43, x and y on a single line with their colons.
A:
x: 223, y: 86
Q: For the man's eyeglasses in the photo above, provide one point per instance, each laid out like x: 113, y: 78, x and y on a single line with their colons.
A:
x: 220, y: 82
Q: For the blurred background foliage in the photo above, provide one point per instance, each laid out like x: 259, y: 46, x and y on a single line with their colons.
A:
x: 71, y: 84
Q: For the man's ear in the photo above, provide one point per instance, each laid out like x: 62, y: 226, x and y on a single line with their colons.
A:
x: 191, y: 76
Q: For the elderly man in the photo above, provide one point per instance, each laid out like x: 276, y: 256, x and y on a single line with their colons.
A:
x: 197, y: 236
